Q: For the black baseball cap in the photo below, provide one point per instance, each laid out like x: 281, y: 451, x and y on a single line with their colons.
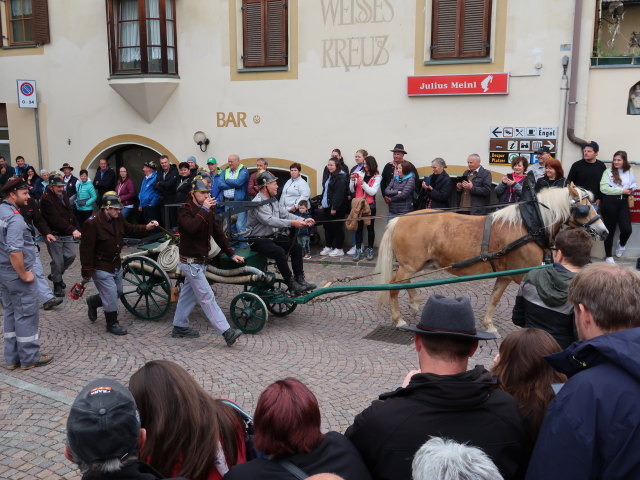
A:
x: 103, y: 422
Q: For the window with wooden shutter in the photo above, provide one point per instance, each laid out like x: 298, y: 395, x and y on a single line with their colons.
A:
x: 27, y: 22
x: 461, y: 28
x: 264, y: 24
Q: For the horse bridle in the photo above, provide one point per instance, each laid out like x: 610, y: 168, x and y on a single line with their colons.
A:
x: 579, y: 210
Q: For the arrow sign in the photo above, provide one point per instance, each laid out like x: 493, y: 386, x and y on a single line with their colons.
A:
x: 497, y: 132
x: 550, y: 145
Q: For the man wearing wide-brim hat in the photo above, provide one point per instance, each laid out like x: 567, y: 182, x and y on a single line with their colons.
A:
x: 19, y: 290
x: 442, y: 399
x: 70, y: 181
x: 389, y: 169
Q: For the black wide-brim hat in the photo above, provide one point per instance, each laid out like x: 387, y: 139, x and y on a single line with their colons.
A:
x: 13, y: 184
x: 65, y: 165
x: 448, y: 316
x: 399, y: 148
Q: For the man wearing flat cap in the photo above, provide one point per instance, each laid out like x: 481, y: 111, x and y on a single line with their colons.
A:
x: 104, y: 435
x: 442, y: 399
x: 19, y: 290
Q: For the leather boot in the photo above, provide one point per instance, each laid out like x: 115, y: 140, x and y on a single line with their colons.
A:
x: 93, y: 302
x: 294, y: 287
x: 64, y: 285
x: 304, y: 284
x: 112, y: 324
x: 231, y: 335
x: 58, y: 289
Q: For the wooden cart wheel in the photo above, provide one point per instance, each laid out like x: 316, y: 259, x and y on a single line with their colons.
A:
x: 273, y: 298
x: 146, y: 288
x: 248, y: 312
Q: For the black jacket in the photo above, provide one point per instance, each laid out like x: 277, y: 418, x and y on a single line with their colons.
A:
x: 544, y: 182
x: 335, y: 454
x: 587, y: 175
x: 466, y: 407
x: 71, y: 186
x: 183, y: 187
x: 337, y: 193
x: 133, y: 471
x: 389, y: 171
x: 481, y: 191
x: 8, y: 173
x: 440, y: 196
x: 166, y: 183
x: 104, y: 183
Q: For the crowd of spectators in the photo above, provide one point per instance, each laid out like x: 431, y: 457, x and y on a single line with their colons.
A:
x: 540, y: 413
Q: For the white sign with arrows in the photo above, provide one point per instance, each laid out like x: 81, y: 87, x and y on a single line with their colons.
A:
x: 526, y: 133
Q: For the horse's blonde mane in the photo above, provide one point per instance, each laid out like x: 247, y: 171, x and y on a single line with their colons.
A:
x: 557, y: 200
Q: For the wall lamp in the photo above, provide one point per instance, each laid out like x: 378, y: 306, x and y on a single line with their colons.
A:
x: 201, y: 140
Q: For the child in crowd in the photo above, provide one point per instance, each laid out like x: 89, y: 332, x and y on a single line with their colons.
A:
x: 305, y: 232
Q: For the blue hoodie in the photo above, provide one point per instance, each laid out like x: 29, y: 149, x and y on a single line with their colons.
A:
x: 592, y: 427
x: 148, y: 195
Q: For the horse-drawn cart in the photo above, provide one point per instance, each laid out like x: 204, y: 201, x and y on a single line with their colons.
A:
x: 152, y: 280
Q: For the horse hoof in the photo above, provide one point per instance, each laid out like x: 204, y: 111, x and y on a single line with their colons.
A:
x: 415, y: 308
x: 493, y: 330
x: 400, y: 323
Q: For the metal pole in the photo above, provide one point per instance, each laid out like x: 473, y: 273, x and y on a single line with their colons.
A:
x: 38, y: 140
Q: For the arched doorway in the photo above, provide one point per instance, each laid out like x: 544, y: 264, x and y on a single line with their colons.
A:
x: 132, y: 151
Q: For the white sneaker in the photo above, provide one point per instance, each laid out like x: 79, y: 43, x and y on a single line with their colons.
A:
x: 610, y: 260
x: 325, y: 251
x: 337, y: 252
x: 619, y: 250
x: 352, y: 251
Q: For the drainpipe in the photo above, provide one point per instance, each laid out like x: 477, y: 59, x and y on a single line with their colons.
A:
x: 564, y: 91
x: 573, y: 79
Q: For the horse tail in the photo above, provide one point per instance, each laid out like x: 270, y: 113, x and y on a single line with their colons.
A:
x: 384, y: 265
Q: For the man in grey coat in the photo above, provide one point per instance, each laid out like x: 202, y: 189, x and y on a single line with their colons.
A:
x: 268, y: 226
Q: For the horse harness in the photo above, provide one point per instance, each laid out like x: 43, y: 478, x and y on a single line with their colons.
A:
x: 535, y: 233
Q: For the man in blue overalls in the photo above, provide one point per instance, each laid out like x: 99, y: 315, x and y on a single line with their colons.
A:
x: 19, y: 290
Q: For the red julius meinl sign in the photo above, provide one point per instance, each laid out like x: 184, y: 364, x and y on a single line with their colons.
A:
x: 473, y: 84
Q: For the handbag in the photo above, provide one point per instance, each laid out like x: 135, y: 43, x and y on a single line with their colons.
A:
x: 631, y: 200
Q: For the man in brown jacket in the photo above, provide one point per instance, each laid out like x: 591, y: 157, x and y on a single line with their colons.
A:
x: 197, y: 224
x: 58, y: 213
x: 100, y: 257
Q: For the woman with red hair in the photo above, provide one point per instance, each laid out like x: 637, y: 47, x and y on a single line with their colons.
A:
x: 287, y: 430
x: 553, y: 175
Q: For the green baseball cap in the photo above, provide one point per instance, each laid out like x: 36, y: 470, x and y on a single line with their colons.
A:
x: 212, y: 160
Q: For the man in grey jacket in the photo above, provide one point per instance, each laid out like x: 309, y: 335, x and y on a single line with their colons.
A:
x: 268, y: 226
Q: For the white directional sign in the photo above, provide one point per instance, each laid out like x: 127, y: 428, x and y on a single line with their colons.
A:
x: 27, y: 97
x: 529, y: 133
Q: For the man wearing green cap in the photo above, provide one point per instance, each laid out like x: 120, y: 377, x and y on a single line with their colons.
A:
x: 214, y: 176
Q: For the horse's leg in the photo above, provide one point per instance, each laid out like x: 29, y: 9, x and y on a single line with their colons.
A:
x: 399, y: 277
x: 414, y: 300
x: 498, y: 289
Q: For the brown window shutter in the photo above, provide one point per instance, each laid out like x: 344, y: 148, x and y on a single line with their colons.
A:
x: 41, y: 21
x: 276, y: 38
x: 444, y: 33
x: 253, y: 33
x: 264, y: 25
x: 460, y: 28
x: 476, y: 28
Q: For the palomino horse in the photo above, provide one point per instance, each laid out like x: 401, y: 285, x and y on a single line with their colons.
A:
x: 447, y: 238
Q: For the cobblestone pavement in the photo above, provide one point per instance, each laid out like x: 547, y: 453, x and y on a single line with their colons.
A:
x: 323, y: 344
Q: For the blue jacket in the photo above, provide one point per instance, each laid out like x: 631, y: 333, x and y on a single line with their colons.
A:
x: 85, y: 191
x: 148, y: 195
x: 240, y: 183
x: 592, y: 427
